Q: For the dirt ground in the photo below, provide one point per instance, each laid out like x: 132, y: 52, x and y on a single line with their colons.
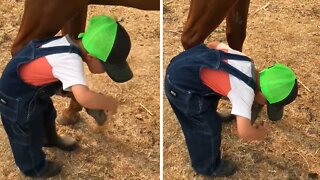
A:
x: 283, y: 31
x: 127, y: 147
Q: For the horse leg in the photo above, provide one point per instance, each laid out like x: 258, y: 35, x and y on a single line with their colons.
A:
x: 71, y: 114
x: 237, y: 24
x: 203, y: 18
x: 76, y: 24
x: 139, y: 4
x: 73, y: 27
x: 43, y: 19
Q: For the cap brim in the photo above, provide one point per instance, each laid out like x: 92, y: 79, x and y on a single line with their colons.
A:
x: 116, y: 65
x: 275, y: 112
x: 118, y: 72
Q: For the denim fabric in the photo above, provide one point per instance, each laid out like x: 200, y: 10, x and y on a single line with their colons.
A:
x: 200, y: 125
x: 26, y: 138
x: 24, y: 107
x: 195, y: 105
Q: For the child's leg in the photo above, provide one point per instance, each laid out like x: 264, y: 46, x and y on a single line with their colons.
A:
x: 26, y: 143
x: 201, y: 127
x: 26, y: 138
x: 65, y: 143
x: 203, y: 139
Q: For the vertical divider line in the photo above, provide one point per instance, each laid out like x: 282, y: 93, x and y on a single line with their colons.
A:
x: 161, y: 90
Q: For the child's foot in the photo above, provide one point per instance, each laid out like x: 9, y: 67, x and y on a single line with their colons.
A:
x: 64, y: 143
x: 52, y: 169
x: 52, y: 139
x: 226, y: 168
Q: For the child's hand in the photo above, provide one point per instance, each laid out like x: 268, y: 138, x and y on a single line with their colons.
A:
x: 93, y: 100
x: 112, y: 106
x: 260, y: 124
x: 213, y: 45
x: 262, y: 127
x: 257, y: 131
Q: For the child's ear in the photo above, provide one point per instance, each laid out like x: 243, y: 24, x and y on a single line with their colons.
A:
x: 89, y: 57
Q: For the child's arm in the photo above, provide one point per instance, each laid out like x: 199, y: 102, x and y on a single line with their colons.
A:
x: 213, y: 45
x: 218, y: 45
x: 93, y: 100
x: 250, y: 132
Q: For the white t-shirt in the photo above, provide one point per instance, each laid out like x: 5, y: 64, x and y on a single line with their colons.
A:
x: 239, y: 93
x: 65, y: 67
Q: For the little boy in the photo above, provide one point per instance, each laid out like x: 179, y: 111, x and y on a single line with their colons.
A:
x: 195, y: 81
x: 39, y: 70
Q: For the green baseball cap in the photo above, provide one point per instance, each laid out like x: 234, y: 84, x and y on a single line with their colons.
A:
x: 279, y: 86
x: 108, y: 41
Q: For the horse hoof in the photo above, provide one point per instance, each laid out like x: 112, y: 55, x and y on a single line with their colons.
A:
x: 226, y: 117
x: 98, y: 115
x: 69, y: 119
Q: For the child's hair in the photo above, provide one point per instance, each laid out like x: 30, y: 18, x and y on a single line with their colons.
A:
x: 279, y: 86
x: 109, y: 42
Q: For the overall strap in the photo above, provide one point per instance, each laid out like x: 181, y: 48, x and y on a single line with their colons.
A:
x: 40, y: 52
x: 224, y: 55
x: 49, y: 89
x: 44, y: 51
x: 39, y: 42
x: 234, y: 71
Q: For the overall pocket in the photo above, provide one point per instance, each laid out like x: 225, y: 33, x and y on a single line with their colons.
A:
x: 190, y: 104
x: 17, y: 130
x: 9, y: 107
x: 187, y: 101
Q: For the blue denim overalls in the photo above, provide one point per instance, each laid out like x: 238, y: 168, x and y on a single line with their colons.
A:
x: 195, y: 104
x: 24, y: 107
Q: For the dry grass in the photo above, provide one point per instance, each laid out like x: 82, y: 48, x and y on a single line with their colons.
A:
x: 286, y: 31
x: 127, y: 147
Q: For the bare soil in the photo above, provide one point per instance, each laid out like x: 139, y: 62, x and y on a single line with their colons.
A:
x: 126, y: 147
x: 283, y: 31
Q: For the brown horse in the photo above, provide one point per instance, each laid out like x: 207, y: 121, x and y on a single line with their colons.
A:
x: 42, y: 19
x: 206, y: 15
